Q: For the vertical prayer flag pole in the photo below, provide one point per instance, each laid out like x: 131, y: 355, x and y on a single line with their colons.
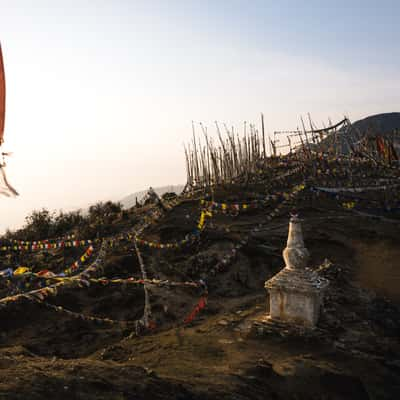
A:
x: 263, y: 136
x: 147, y: 306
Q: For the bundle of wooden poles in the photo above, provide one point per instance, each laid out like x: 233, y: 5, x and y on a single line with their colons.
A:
x: 232, y: 158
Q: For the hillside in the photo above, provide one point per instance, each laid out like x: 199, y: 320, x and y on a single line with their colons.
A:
x: 82, y: 337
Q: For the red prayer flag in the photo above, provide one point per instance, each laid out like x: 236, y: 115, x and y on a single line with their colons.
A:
x: 2, y: 97
x: 200, y: 305
x: 380, y: 145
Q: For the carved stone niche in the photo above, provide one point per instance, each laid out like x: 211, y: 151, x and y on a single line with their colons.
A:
x: 296, y: 292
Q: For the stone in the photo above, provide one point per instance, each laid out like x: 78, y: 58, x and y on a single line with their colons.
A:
x: 296, y: 292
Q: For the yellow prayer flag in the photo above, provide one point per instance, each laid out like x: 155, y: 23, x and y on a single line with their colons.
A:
x: 21, y: 270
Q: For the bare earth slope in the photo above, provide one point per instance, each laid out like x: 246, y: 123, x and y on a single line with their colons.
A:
x: 223, y: 353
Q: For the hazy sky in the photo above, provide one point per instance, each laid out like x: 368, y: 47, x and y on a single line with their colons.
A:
x: 101, y: 94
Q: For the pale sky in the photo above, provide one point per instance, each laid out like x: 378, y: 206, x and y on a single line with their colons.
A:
x: 101, y: 94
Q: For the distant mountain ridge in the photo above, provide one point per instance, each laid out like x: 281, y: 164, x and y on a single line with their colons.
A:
x: 380, y: 123
x: 386, y: 125
x: 130, y: 200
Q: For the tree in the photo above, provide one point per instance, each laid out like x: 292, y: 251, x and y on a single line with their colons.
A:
x: 38, y: 224
x: 65, y: 222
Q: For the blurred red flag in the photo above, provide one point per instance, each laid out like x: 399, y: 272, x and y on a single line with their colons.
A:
x: 380, y: 145
x: 2, y: 97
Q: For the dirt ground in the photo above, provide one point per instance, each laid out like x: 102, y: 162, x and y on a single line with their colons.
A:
x: 222, y: 354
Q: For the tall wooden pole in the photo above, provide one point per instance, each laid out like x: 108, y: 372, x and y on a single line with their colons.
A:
x: 263, y: 135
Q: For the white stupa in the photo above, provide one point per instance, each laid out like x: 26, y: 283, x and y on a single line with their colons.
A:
x: 296, y: 292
